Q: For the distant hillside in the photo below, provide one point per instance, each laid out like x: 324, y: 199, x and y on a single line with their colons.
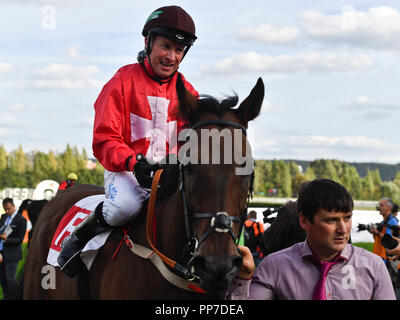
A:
x: 387, y: 171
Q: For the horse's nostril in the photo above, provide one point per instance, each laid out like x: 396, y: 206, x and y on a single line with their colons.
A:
x: 237, y: 261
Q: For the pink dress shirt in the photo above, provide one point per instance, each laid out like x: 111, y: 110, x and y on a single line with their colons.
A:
x: 291, y: 274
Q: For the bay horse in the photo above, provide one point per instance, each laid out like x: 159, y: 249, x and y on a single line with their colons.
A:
x: 202, y: 217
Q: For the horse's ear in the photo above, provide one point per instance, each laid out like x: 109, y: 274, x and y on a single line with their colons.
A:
x: 249, y: 109
x: 187, y: 101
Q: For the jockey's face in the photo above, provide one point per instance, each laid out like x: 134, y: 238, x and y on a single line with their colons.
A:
x: 165, y: 56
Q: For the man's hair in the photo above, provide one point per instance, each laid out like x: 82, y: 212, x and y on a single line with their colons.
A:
x: 323, y: 194
x: 8, y: 200
x: 389, y: 201
x: 252, y: 214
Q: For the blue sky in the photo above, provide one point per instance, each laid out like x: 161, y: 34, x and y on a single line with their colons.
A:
x: 331, y: 70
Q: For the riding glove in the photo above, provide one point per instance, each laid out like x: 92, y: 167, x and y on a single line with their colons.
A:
x: 144, y: 171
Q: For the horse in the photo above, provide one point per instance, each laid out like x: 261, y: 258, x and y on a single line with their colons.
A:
x: 197, y: 226
x: 285, y: 230
x: 33, y: 208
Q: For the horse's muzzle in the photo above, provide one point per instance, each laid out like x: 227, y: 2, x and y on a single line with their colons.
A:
x: 215, y: 275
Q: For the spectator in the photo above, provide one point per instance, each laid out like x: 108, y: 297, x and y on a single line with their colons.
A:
x: 385, y: 207
x: 71, y: 180
x: 322, y: 267
x: 12, y: 228
x: 253, y: 236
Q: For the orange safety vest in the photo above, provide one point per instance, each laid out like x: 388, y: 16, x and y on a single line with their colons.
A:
x: 258, y: 227
x: 378, y: 248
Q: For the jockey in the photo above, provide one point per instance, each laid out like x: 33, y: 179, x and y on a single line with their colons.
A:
x: 135, y: 113
x: 71, y: 179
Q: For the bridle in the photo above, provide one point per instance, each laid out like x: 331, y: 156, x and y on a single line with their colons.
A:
x: 221, y: 222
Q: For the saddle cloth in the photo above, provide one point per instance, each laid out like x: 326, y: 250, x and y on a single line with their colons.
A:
x: 74, y: 216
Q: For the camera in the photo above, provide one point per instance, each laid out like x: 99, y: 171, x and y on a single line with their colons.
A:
x: 362, y: 227
x: 389, y: 242
x: 267, y: 213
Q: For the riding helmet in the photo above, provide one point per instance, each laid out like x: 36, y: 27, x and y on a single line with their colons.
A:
x: 171, y: 22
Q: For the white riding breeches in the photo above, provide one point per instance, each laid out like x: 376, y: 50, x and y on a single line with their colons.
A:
x: 124, y: 197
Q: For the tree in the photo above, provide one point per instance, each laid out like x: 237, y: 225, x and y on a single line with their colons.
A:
x: 3, y: 158
x: 18, y: 161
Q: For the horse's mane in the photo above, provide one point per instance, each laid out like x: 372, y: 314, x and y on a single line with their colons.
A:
x: 209, y: 104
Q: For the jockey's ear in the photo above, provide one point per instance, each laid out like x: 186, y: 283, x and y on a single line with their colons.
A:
x: 250, y: 108
x: 187, y: 101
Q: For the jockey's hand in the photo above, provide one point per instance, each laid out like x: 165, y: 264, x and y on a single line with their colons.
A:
x: 144, y: 171
x: 247, y: 269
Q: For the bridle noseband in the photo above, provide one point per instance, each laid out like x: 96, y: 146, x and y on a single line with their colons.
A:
x: 221, y: 222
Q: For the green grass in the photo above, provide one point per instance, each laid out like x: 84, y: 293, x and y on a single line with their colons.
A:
x: 366, y: 245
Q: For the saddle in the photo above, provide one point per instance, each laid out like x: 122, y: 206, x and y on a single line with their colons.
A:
x: 80, y: 210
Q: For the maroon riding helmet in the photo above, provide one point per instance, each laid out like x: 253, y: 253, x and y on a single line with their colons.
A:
x: 171, y: 22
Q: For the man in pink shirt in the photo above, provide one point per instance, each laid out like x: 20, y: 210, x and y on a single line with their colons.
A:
x: 325, y: 266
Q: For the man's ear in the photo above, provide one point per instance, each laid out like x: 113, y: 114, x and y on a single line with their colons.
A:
x: 303, y: 221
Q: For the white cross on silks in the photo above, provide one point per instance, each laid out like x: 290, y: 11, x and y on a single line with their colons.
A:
x: 158, y: 130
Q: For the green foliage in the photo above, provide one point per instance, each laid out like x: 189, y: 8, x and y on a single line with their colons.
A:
x: 21, y: 170
x: 18, y: 169
x: 287, y: 177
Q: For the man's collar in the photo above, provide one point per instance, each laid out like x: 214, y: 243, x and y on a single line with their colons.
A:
x: 305, y: 251
x: 13, y: 215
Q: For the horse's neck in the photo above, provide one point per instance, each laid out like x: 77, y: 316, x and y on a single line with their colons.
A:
x: 170, y: 230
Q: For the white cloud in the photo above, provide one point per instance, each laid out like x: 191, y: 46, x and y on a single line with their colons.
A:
x: 311, y: 62
x: 377, y: 28
x: 73, y: 52
x: 5, y: 132
x: 16, y: 107
x: 65, y: 77
x: 345, y: 148
x: 7, y: 120
x: 5, y: 67
x: 368, y: 109
x: 268, y: 34
x: 359, y: 142
x: 57, y: 71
